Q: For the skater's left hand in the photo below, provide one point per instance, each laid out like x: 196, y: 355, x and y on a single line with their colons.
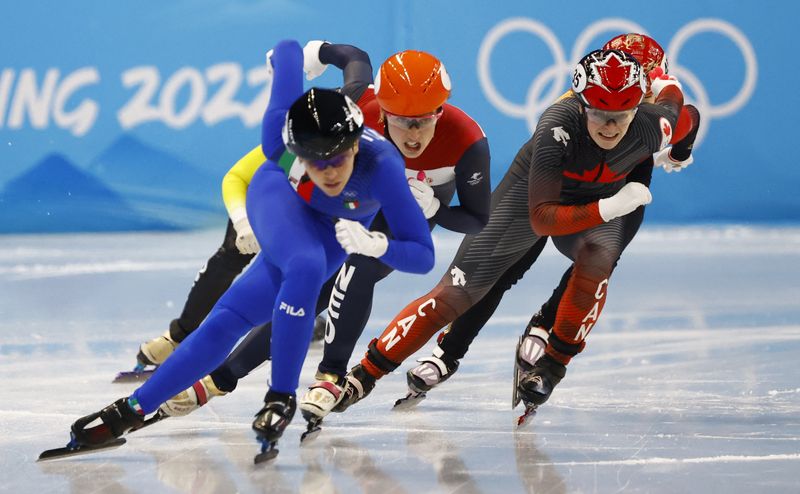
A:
x: 665, y: 161
x: 312, y: 66
x: 659, y: 80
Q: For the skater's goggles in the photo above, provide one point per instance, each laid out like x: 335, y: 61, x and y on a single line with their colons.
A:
x: 420, y: 121
x: 334, y: 161
x: 601, y: 117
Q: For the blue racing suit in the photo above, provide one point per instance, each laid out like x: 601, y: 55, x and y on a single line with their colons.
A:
x: 294, y: 225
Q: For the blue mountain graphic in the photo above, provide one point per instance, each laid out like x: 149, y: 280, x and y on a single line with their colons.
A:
x: 161, y: 184
x: 56, y: 196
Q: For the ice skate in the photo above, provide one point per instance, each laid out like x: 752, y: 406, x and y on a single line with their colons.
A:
x: 271, y: 421
x: 536, y: 386
x: 319, y: 400
x: 139, y: 374
x: 430, y: 373
x: 116, y: 419
x: 530, y: 348
x: 110, y: 424
x: 156, y: 351
x: 358, y: 384
x: 151, y: 354
x: 192, y: 398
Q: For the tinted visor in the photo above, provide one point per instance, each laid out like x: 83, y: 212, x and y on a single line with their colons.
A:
x: 333, y: 162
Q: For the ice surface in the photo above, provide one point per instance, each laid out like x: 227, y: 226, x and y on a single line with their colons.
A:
x: 689, y: 383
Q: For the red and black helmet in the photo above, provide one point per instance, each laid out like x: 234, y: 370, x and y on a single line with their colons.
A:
x: 643, y: 48
x: 609, y: 80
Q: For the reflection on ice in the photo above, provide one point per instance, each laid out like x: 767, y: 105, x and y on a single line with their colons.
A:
x: 689, y: 383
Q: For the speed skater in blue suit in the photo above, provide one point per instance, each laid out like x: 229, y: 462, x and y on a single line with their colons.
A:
x: 306, y: 223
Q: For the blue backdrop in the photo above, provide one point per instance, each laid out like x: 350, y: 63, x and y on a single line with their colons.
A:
x: 125, y: 115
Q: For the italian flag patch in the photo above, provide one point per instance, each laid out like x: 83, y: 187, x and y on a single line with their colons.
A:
x: 350, y: 204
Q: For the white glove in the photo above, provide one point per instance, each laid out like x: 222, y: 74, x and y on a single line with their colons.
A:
x: 245, y: 239
x: 355, y: 239
x: 659, y: 80
x: 630, y: 197
x: 311, y: 64
x: 269, y: 64
x: 423, y: 193
x: 665, y: 161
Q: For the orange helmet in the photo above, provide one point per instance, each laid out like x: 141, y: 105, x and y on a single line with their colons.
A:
x: 643, y: 48
x: 412, y: 83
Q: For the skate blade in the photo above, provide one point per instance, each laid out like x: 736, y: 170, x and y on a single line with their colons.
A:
x: 410, y: 401
x: 524, y: 419
x: 133, y: 376
x: 310, y: 434
x: 66, y: 452
x: 158, y: 417
x: 515, y: 398
x: 313, y: 426
x: 268, y: 452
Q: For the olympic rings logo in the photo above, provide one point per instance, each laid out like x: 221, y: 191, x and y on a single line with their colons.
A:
x: 556, y: 75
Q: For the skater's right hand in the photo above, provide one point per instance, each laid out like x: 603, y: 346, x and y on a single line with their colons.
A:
x: 245, y: 238
x: 423, y: 194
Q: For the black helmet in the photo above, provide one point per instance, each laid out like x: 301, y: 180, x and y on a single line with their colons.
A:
x: 321, y: 124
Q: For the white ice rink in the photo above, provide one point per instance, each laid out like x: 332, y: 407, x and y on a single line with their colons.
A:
x: 689, y: 383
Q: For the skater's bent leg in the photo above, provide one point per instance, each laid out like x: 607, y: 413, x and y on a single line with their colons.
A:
x: 595, y: 253
x: 254, y: 350
x: 349, y: 310
x: 414, y: 326
x: 198, y: 355
x: 546, y: 317
x: 239, y: 309
x: 460, y: 334
x: 293, y: 319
